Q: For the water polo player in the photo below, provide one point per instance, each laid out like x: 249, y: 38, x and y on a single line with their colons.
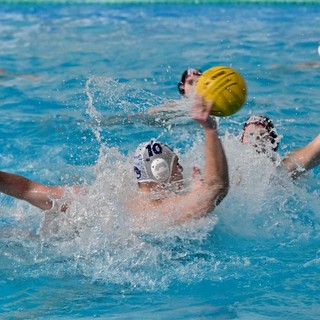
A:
x: 156, y: 163
x: 189, y: 79
x: 186, y: 88
x: 158, y: 173
x: 259, y: 132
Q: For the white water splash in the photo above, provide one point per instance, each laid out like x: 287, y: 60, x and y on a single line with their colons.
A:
x: 98, y: 238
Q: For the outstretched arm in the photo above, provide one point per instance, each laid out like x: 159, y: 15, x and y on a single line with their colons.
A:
x: 303, y: 159
x: 169, y: 106
x: 35, y: 193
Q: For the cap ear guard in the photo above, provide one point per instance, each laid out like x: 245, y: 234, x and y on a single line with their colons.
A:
x: 181, y: 87
x: 160, y: 169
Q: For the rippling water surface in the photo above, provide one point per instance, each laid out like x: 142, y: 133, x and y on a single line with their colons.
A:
x: 75, y: 83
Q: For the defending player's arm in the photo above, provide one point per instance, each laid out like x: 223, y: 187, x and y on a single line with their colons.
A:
x: 303, y: 159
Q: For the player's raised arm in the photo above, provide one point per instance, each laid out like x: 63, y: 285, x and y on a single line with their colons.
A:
x: 216, y: 168
x: 303, y: 159
x: 207, y: 192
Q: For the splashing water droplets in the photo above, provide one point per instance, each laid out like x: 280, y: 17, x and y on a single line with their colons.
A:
x: 91, y: 110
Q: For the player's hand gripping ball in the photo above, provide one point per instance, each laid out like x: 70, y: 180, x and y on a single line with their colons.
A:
x: 225, y: 87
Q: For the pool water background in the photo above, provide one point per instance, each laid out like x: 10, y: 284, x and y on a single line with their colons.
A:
x: 77, y: 82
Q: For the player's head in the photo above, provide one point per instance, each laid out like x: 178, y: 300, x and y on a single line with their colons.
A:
x: 188, y: 81
x: 259, y: 132
x: 155, y: 162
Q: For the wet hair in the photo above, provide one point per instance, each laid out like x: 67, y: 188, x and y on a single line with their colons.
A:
x: 187, y: 73
x: 266, y: 123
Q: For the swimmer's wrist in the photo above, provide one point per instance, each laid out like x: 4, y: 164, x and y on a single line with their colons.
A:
x: 214, y: 123
x: 211, y: 124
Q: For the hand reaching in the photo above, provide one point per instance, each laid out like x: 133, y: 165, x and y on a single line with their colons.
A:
x: 201, y: 112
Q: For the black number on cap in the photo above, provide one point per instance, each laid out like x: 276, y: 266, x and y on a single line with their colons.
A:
x: 156, y: 148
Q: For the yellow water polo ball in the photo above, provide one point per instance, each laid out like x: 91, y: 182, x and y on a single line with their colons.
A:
x: 225, y: 87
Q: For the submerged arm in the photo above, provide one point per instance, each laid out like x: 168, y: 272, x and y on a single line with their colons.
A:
x: 303, y: 159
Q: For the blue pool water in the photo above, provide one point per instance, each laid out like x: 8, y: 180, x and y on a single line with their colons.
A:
x: 75, y: 85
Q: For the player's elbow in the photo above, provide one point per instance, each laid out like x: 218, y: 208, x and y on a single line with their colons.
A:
x: 223, y: 191
x: 220, y: 190
x: 220, y: 183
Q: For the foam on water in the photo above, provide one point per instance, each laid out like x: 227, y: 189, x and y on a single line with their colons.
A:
x: 266, y: 201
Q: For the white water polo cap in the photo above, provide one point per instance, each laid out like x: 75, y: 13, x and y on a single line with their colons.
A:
x: 153, y: 162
